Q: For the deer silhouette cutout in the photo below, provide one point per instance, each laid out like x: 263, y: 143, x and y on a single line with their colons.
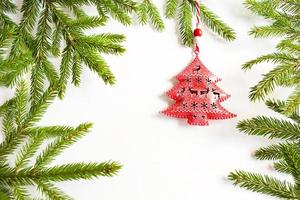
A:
x: 206, y: 91
x: 216, y: 93
x: 193, y: 91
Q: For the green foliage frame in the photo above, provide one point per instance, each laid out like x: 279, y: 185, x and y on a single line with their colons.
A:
x: 285, y: 23
x: 56, y: 28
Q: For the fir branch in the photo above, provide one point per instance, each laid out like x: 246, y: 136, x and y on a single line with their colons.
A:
x: 21, y: 102
x: 283, y: 24
x: 274, y: 78
x: 288, y: 46
x: 52, y: 192
x: 50, y: 72
x: 285, y: 155
x: 11, y: 70
x: 8, y: 6
x: 88, y: 22
x: 97, y: 64
x: 267, y: 31
x: 293, y: 102
x: 264, y: 184
x: 30, y: 10
x: 279, y: 107
x: 75, y: 171
x: 79, y: 171
x: 40, y: 53
x: 147, y: 11
x: 290, y: 163
x: 28, y: 151
x: 49, y: 131
x: 171, y: 8
x: 61, y: 143
x: 116, y: 9
x: 65, y: 69
x: 66, y: 29
x: 185, y: 23
x: 37, y: 83
x: 291, y: 6
x: 88, y: 56
x: 270, y: 127
x: 273, y: 58
x: 264, y: 8
x: 37, y: 110
x: 185, y: 11
x: 104, y: 43
x: 273, y: 152
x: 56, y: 41
x: 142, y: 13
x: 26, y: 140
x: 20, y: 193
x: 215, y: 24
x: 76, y: 69
x: 8, y: 125
x: 154, y: 16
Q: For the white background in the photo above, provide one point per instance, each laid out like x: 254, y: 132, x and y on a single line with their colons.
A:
x: 163, y: 158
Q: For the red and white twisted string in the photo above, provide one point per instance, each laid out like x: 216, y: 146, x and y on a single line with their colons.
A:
x: 197, y: 31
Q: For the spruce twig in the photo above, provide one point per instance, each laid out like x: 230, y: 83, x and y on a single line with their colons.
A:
x: 284, y: 17
x: 184, y: 11
x: 23, y: 136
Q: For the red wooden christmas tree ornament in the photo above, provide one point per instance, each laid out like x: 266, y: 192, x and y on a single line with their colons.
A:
x: 197, y: 96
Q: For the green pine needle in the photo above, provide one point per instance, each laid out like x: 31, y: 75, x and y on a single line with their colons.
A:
x: 65, y: 69
x: 171, y: 8
x: 142, y: 13
x: 293, y: 102
x: 76, y: 69
x: 273, y: 152
x: 276, y: 77
x: 264, y: 184
x: 119, y: 10
x: 50, y: 191
x: 215, y: 24
x: 270, y: 127
x: 273, y: 58
x: 148, y: 12
x: 60, y: 24
x: 77, y: 171
x: 185, y: 11
x: 154, y: 16
x: 284, y: 22
x: 23, y: 137
x: 185, y: 23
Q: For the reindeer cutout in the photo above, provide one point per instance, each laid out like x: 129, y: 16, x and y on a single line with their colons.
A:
x: 193, y: 91
x: 216, y: 93
x: 206, y: 91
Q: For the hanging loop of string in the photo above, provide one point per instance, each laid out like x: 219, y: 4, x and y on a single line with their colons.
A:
x: 198, y: 14
x: 198, y: 10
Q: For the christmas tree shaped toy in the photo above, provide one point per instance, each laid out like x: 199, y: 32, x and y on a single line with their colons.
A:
x: 197, y: 96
